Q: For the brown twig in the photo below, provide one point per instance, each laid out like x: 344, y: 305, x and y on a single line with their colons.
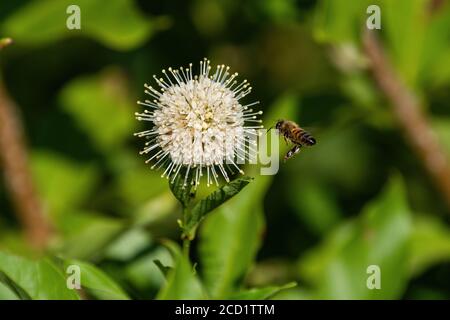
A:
x: 409, y: 114
x: 14, y: 159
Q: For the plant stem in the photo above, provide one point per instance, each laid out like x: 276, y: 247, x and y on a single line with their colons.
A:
x: 410, y: 116
x: 14, y: 160
x: 186, y: 247
x: 186, y: 240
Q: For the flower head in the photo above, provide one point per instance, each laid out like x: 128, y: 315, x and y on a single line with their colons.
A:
x: 198, y: 122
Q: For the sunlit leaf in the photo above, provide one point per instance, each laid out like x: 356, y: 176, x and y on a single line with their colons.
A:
x: 405, y: 25
x: 144, y: 274
x: 40, y: 279
x: 215, y: 199
x: 117, y: 24
x: 136, y: 183
x: 224, y: 261
x: 12, y: 288
x: 182, y: 283
x: 94, y: 100
x: 6, y: 293
x: 338, y: 20
x: 435, y: 57
x: 430, y: 244
x: 316, y: 205
x: 379, y: 237
x: 296, y: 293
x: 62, y: 183
x: 155, y: 212
x: 442, y: 128
x: 98, y: 283
x: 261, y: 293
x: 86, y: 234
x: 230, y: 238
x: 129, y: 244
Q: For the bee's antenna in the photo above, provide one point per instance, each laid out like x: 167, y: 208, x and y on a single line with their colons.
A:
x: 270, y: 129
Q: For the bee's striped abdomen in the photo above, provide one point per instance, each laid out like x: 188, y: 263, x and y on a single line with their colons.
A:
x: 303, y: 137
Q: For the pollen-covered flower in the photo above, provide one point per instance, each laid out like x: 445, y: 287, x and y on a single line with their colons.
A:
x: 198, y: 123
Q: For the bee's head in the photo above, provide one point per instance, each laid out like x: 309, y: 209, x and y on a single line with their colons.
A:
x: 278, y: 124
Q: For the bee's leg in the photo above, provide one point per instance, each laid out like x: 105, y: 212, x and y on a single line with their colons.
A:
x: 285, y: 139
x: 292, y: 152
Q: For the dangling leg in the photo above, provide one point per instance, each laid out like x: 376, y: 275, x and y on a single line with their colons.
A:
x: 292, y: 152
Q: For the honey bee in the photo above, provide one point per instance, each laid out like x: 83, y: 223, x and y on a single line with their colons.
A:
x: 295, y: 134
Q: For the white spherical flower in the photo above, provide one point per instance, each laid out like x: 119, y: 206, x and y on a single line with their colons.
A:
x: 198, y: 123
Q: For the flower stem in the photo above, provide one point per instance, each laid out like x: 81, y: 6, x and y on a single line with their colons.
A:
x: 186, y: 246
x: 186, y: 239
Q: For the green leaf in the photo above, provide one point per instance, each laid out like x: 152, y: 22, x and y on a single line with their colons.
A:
x: 261, y: 293
x: 441, y: 126
x: 164, y: 269
x: 135, y: 183
x: 94, y: 100
x: 155, y: 212
x: 230, y: 238
x: 40, y: 279
x: 182, y: 283
x: 435, y: 58
x: 129, y: 244
x: 10, y: 287
x: 278, y: 11
x: 143, y: 274
x: 98, y: 283
x: 380, y: 236
x: 316, y: 205
x: 86, y: 234
x: 405, y: 23
x: 294, y: 294
x: 339, y: 20
x: 120, y: 25
x: 430, y: 244
x: 223, y: 259
x: 214, y: 200
x: 6, y: 293
x: 287, y: 106
x: 62, y: 183
x: 182, y: 190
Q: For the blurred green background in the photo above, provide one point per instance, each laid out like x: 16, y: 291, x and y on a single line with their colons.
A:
x: 357, y: 198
